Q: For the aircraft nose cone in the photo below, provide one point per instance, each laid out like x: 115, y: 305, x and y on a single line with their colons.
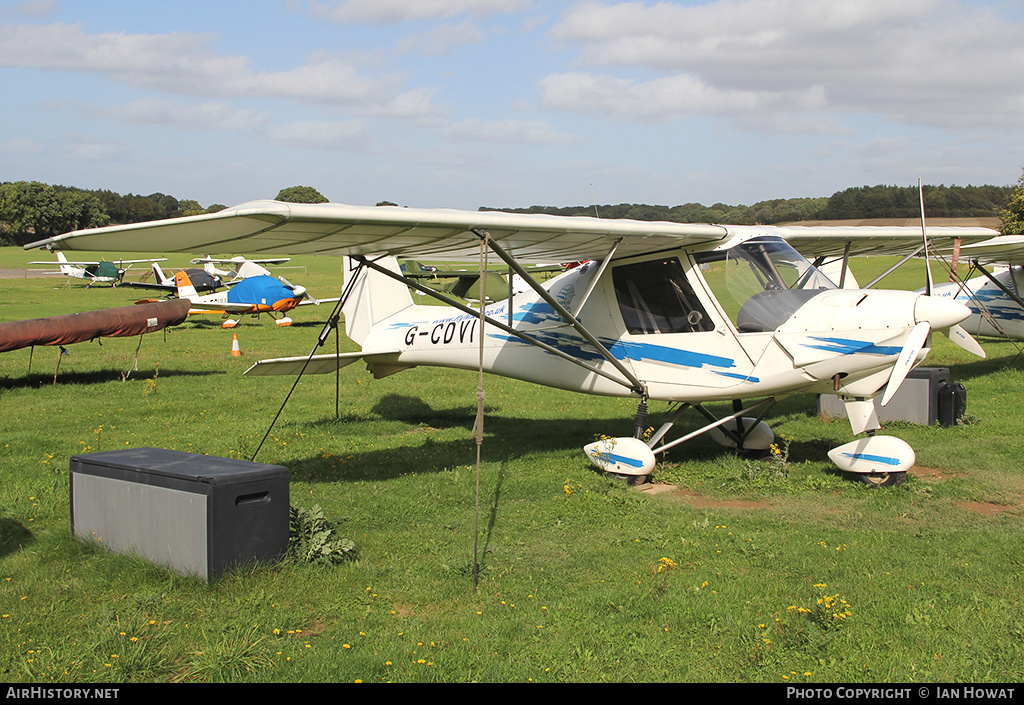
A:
x: 939, y: 312
x: 299, y: 291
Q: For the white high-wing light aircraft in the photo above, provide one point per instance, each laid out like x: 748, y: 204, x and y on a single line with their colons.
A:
x: 996, y: 298
x: 96, y: 272
x: 665, y: 311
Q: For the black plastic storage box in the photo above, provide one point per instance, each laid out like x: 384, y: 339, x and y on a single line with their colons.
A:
x: 926, y: 397
x: 197, y: 514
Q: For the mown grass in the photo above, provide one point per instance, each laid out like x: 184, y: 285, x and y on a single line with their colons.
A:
x: 581, y: 578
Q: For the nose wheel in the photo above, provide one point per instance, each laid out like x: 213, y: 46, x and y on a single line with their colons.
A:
x: 881, y: 479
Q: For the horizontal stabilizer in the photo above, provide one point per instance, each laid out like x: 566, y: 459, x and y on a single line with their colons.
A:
x: 318, y: 364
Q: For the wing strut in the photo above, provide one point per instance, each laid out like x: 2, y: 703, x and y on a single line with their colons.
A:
x: 637, y: 385
x: 893, y: 268
x: 600, y: 272
x: 630, y: 383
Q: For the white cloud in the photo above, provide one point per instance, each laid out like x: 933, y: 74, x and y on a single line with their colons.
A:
x: 86, y: 148
x: 443, y: 39
x: 667, y: 99
x: 932, y: 62
x: 187, y: 64
x: 535, y: 132
x: 32, y: 8
x: 395, y: 11
x: 20, y: 145
x: 341, y: 135
x: 212, y: 116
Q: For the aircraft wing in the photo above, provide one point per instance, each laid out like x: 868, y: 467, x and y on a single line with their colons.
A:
x: 317, y: 302
x: 1004, y: 249
x: 272, y: 227
x: 90, y: 264
x: 831, y: 240
x: 221, y: 307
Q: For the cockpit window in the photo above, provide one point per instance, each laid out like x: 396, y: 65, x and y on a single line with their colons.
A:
x: 655, y: 297
x: 760, y: 283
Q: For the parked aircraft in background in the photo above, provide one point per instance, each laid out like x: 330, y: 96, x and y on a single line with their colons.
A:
x: 250, y: 296
x: 688, y: 314
x: 464, y: 281
x: 996, y: 297
x: 239, y: 267
x: 93, y: 272
x: 201, y: 280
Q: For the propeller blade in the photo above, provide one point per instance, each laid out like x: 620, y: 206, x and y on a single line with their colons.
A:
x: 924, y: 234
x: 959, y: 336
x: 905, y: 362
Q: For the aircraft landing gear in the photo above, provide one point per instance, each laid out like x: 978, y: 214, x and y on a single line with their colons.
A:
x: 880, y: 479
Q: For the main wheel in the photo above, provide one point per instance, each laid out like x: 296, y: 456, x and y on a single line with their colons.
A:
x: 631, y: 480
x: 881, y: 479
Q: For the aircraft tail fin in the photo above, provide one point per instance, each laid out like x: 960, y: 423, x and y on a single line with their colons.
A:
x: 185, y: 288
x: 64, y: 268
x: 372, y: 297
x: 161, y: 278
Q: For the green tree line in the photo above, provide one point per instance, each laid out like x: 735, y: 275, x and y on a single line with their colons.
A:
x: 852, y: 203
x: 30, y: 210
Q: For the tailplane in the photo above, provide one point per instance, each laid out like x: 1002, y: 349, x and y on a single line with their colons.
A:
x: 372, y: 297
x: 185, y: 288
x: 64, y: 268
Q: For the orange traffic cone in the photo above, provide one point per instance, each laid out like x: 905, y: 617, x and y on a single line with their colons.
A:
x: 235, y: 350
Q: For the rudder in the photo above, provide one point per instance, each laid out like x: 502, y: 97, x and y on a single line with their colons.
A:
x: 372, y: 296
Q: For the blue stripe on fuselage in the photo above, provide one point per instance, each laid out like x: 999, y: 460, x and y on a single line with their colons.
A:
x: 874, y: 458
x: 847, y: 346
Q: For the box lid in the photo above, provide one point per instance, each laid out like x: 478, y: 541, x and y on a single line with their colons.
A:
x: 209, y: 469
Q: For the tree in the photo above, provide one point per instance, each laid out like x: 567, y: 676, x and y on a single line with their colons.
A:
x: 32, y: 210
x: 1012, y: 216
x: 300, y: 194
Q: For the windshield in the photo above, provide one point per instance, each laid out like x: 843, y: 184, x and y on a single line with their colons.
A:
x: 761, y: 282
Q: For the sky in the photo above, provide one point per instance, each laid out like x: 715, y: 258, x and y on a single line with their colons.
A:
x: 511, y: 103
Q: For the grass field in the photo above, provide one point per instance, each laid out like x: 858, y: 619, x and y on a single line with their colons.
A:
x: 773, y: 571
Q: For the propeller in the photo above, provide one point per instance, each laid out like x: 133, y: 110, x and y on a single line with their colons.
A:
x: 905, y: 362
x: 956, y: 333
x: 930, y: 312
x: 959, y: 336
x: 924, y: 236
x: 299, y: 291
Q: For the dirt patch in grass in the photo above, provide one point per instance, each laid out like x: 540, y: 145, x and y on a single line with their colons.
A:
x: 701, y: 501
x: 989, y: 509
x: 932, y: 474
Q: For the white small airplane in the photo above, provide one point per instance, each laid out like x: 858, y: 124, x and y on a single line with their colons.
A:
x: 250, y: 296
x: 96, y: 272
x: 995, y: 298
x: 683, y: 313
x: 200, y: 278
x: 241, y: 267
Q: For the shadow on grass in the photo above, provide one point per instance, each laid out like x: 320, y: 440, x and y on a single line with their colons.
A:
x: 966, y: 371
x: 507, y: 438
x: 13, y: 536
x: 36, y: 379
